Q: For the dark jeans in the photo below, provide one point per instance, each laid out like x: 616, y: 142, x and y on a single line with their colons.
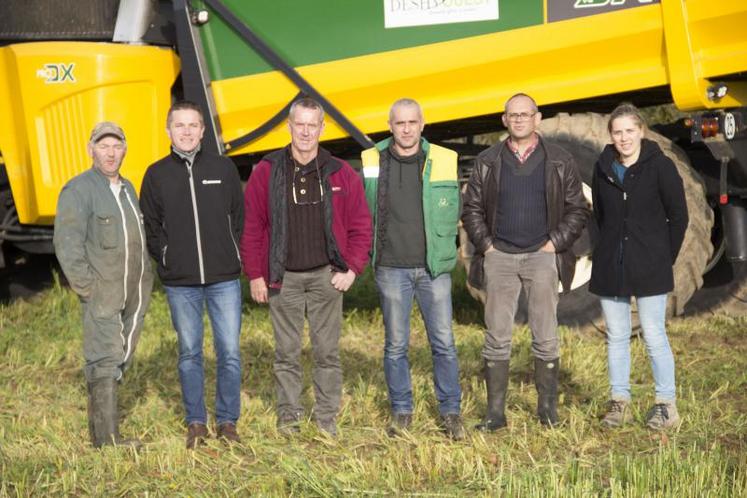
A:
x: 307, y: 293
x: 505, y: 275
x: 397, y: 287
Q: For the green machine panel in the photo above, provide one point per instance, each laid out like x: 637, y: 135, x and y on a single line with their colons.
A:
x: 306, y: 32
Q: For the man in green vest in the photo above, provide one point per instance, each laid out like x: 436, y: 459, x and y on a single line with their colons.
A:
x: 412, y: 191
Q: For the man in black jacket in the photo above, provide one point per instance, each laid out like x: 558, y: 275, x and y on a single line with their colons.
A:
x: 194, y: 214
x: 523, y: 209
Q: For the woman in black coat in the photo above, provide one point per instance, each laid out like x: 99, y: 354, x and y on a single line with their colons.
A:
x: 641, y: 216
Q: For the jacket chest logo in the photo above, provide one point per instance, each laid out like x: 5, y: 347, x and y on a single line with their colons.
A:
x: 211, y: 182
x: 443, y: 202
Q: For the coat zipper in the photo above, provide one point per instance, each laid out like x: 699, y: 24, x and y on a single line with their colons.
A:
x: 126, y: 245
x: 197, y: 222
x: 128, y: 345
x: 621, y: 249
x: 126, y: 271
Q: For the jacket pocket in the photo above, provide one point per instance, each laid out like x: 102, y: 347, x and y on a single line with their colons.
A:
x: 447, y: 249
x: 444, y: 200
x: 233, y: 239
x: 107, y: 231
x: 476, y: 277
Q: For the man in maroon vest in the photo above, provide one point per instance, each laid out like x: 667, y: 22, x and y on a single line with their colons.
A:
x: 307, y: 235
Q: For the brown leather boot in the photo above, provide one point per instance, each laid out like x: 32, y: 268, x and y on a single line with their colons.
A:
x: 227, y: 433
x: 196, y: 435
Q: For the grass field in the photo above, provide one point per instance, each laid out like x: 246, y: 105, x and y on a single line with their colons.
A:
x: 44, y: 448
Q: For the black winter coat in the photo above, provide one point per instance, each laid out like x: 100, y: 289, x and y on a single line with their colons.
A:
x: 641, y: 224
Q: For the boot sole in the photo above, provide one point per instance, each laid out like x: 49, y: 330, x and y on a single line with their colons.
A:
x: 489, y: 427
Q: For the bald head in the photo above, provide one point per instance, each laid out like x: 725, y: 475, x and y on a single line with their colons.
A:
x: 522, y: 98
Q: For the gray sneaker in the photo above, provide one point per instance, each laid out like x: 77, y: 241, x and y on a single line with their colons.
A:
x: 452, y: 424
x: 662, y: 416
x: 618, y: 413
x: 400, y: 422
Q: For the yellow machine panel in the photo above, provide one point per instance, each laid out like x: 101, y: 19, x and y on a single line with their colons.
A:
x: 52, y: 94
x: 676, y: 43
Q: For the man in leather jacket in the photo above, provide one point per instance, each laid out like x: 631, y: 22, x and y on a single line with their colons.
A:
x: 523, y: 210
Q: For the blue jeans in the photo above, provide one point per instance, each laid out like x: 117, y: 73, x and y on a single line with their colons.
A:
x: 224, y: 309
x: 652, y: 315
x: 397, y: 286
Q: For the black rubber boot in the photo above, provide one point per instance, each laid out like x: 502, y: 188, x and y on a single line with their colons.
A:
x: 546, y: 381
x: 496, y: 384
x: 103, y: 416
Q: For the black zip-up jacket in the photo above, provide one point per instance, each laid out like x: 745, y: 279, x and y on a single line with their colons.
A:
x: 193, y: 218
x: 566, y: 207
x: 641, y: 224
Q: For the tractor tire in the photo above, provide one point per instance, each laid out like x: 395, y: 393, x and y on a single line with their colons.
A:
x: 584, y: 136
x: 724, y: 290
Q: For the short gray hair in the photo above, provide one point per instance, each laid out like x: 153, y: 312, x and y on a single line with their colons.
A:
x: 306, y: 103
x: 405, y: 102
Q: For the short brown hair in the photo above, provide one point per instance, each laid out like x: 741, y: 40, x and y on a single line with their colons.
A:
x: 629, y: 110
x: 184, y: 105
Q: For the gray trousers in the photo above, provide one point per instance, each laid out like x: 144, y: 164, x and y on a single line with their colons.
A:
x: 112, y: 323
x: 505, y: 275
x: 310, y: 293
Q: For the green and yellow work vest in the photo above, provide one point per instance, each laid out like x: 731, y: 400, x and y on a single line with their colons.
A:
x: 441, y: 202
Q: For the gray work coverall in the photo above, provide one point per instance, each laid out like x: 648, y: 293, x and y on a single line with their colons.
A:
x: 99, y: 241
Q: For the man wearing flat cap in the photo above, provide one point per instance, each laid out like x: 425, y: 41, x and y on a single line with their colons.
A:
x: 99, y: 241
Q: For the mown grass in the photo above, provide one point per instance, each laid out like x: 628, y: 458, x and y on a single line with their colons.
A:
x: 44, y: 447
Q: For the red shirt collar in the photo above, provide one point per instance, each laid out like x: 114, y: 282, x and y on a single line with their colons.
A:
x: 515, y: 148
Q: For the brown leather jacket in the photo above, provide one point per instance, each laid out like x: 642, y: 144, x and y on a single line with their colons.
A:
x: 567, y: 210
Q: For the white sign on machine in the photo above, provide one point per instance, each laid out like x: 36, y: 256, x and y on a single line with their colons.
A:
x: 403, y: 13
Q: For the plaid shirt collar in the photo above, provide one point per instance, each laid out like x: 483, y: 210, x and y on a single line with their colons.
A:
x: 515, y: 148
